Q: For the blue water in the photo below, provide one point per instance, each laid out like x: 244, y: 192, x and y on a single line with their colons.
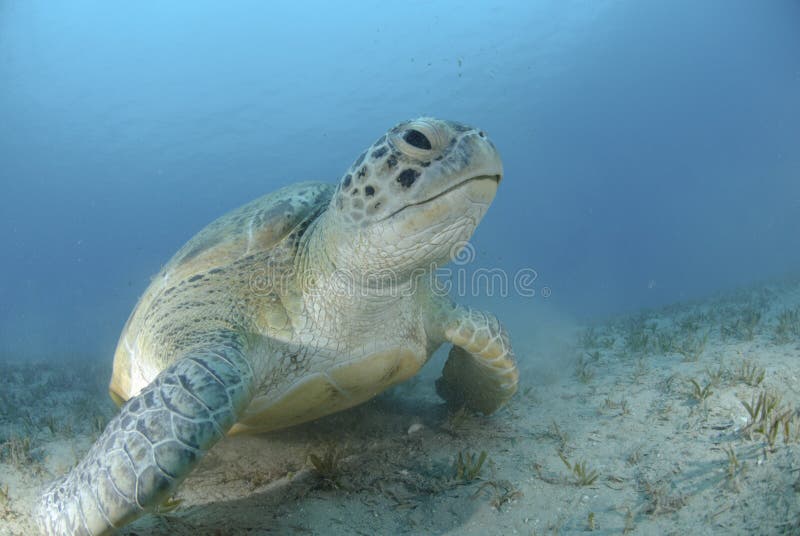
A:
x: 650, y: 147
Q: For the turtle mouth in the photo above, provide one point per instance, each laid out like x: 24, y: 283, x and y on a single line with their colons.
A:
x: 495, y: 178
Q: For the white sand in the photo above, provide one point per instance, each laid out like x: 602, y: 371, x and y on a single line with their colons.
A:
x: 627, y: 412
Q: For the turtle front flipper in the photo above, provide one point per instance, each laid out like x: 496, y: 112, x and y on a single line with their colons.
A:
x: 151, y: 445
x: 480, y: 372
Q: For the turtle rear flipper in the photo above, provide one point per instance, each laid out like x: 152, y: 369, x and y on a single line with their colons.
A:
x: 151, y: 445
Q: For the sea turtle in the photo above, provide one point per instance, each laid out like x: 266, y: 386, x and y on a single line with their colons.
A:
x: 301, y: 303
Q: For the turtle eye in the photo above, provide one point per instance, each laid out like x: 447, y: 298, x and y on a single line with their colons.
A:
x: 417, y: 139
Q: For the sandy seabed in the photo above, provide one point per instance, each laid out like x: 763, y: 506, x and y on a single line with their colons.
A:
x: 682, y: 420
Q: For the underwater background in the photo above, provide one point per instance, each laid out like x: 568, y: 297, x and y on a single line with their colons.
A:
x: 650, y: 148
x: 646, y: 228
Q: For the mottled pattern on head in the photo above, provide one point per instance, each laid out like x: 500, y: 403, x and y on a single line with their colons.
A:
x: 405, y: 166
x: 413, y: 198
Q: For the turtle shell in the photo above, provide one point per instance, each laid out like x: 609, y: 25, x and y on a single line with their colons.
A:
x: 166, y: 315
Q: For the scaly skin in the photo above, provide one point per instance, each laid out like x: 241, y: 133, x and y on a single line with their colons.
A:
x: 480, y: 372
x: 247, y: 327
x: 151, y: 445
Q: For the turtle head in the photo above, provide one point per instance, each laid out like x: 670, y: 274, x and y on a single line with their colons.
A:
x: 414, y: 197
